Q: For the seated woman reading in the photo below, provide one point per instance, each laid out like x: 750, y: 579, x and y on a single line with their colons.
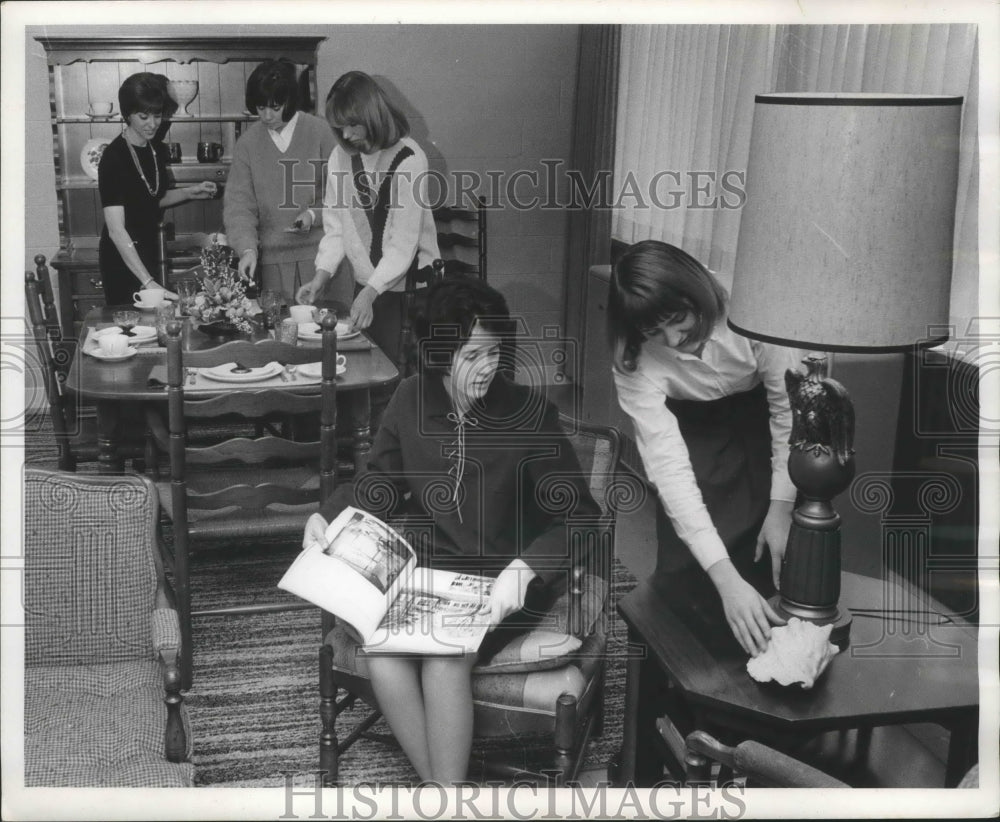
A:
x: 460, y: 427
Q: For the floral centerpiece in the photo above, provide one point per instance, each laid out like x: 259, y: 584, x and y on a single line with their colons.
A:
x: 221, y: 302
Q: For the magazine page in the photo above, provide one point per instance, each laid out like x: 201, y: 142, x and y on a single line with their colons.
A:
x: 440, y: 612
x: 357, y: 573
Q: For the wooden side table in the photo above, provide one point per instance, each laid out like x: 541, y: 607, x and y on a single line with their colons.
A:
x: 909, y: 665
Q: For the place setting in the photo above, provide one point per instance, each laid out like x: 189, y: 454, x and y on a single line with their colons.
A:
x: 121, y: 341
x: 271, y: 374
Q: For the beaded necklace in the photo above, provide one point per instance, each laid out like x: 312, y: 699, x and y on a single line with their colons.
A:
x: 135, y: 159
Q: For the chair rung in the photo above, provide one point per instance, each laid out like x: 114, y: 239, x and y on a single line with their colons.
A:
x: 359, y: 731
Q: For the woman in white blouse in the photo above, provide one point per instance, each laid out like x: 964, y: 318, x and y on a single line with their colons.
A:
x: 712, y: 420
x: 375, y: 207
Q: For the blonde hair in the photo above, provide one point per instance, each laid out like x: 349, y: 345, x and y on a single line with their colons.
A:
x: 357, y: 99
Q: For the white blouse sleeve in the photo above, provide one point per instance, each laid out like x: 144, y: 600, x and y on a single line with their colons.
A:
x: 668, y: 465
x: 331, y: 246
x: 772, y: 362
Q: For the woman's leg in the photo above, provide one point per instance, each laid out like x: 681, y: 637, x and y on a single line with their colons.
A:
x: 397, y: 686
x: 447, y: 691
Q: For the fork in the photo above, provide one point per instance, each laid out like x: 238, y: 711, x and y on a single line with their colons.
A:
x: 290, y: 370
x: 191, y: 375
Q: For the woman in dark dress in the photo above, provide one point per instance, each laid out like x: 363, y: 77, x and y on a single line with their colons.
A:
x: 132, y: 179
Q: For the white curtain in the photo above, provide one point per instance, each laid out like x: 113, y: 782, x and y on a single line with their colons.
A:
x: 685, y: 104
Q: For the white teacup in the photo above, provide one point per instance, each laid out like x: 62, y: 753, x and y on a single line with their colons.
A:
x: 113, y: 345
x: 341, y: 361
x: 149, y: 297
x: 301, y: 313
x: 101, y: 109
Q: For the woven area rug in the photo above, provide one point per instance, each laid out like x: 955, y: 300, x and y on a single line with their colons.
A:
x: 255, y: 701
x: 254, y: 707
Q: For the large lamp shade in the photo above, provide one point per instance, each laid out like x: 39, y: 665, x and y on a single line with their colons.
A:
x: 845, y: 239
x: 845, y: 245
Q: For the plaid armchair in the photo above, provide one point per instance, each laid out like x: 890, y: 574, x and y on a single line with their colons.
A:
x: 101, y: 685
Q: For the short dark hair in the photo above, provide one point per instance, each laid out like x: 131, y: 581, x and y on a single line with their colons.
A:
x: 453, y: 307
x: 273, y: 83
x: 357, y: 99
x: 145, y: 93
x: 650, y: 282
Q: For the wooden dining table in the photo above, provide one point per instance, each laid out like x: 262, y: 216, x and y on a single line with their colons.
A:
x: 116, y: 387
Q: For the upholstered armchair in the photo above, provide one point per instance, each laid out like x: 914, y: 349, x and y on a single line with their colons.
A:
x: 102, y: 701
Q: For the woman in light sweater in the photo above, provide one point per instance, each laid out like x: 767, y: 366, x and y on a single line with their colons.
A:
x: 376, y: 211
x: 275, y: 182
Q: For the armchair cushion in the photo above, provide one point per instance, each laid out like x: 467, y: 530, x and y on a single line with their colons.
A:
x: 98, y: 726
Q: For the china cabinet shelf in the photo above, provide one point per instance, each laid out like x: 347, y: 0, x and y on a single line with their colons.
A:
x: 178, y: 119
x: 86, y: 72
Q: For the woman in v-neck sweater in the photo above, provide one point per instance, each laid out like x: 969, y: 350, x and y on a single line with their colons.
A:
x: 275, y: 182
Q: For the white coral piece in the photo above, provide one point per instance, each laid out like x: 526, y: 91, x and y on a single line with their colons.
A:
x: 797, y: 653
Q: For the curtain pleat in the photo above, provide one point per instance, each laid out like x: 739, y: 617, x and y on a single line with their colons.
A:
x: 685, y: 104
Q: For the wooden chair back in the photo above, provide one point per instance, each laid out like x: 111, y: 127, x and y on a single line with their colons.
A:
x: 455, y: 231
x: 53, y: 359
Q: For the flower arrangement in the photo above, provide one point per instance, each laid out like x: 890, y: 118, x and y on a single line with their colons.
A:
x: 221, y: 297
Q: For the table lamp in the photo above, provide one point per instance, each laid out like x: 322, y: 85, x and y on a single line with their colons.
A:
x: 845, y: 245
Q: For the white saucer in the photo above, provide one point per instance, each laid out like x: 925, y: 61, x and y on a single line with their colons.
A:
x: 314, y: 370
x: 144, y: 307
x: 97, y: 353
x: 224, y: 373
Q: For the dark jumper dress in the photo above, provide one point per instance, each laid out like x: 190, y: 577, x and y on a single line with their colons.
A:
x: 120, y: 185
x: 729, y: 444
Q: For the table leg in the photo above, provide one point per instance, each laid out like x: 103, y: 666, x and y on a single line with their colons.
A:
x: 361, y: 429
x: 626, y: 759
x: 962, y: 749
x: 109, y: 461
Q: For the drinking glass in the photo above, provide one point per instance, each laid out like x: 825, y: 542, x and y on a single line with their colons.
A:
x: 270, y: 305
x: 126, y: 321
x: 288, y: 331
x: 186, y: 291
x: 164, y: 314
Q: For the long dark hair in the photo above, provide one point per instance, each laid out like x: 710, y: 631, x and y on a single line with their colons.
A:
x: 651, y: 282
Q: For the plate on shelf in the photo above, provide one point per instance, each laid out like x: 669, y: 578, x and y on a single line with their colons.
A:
x: 314, y: 370
x: 90, y: 155
x: 98, y: 354
x: 312, y: 331
x: 224, y: 373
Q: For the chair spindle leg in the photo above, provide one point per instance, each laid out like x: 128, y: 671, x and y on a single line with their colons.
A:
x: 328, y: 716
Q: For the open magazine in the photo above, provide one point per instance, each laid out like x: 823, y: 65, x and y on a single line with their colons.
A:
x: 367, y: 575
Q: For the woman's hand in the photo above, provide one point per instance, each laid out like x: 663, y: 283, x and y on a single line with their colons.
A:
x: 361, y: 310
x: 303, y: 221
x: 205, y: 190
x: 248, y: 263
x: 749, y: 615
x: 315, y: 531
x: 307, y: 294
x: 509, y: 591
x: 774, y: 534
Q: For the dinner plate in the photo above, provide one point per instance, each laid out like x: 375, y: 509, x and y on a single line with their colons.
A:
x: 90, y: 155
x: 312, y: 331
x: 140, y: 333
x: 314, y: 370
x: 98, y: 354
x: 224, y: 373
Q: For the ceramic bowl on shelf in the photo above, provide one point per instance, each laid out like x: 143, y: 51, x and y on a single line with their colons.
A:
x: 90, y: 155
x: 183, y: 92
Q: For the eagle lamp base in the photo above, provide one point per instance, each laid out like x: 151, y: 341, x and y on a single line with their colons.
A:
x: 810, y: 572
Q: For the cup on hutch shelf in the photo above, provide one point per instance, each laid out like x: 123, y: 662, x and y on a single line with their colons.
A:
x: 173, y: 152
x: 149, y: 297
x: 102, y: 108
x: 209, y: 152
